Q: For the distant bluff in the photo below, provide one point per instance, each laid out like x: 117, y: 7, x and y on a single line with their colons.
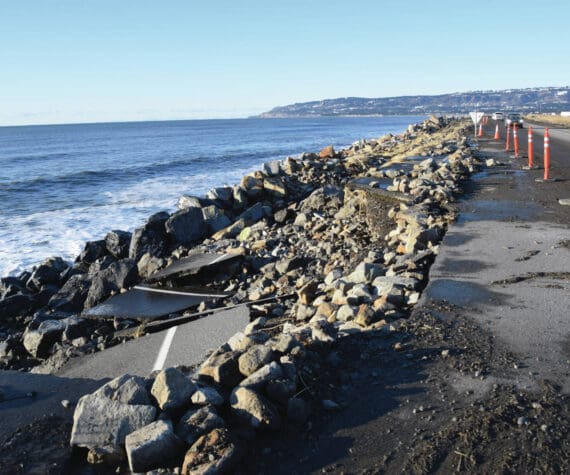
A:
x: 539, y: 99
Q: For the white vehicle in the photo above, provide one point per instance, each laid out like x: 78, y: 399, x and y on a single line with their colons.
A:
x: 497, y: 116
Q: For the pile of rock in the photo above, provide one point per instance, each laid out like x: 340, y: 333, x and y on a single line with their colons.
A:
x: 175, y: 419
x: 314, y: 238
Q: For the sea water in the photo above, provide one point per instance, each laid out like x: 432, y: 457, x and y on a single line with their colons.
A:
x: 63, y: 185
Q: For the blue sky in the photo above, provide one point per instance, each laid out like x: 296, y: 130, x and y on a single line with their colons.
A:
x: 65, y: 61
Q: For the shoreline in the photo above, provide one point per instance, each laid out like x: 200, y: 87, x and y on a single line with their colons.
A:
x: 49, y: 226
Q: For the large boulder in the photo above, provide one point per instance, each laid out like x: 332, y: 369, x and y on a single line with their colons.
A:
x: 329, y: 196
x: 215, y: 219
x: 365, y: 273
x: 92, y: 251
x: 48, y: 272
x: 117, y: 243
x: 18, y: 305
x: 254, y: 358
x: 126, y: 389
x: 71, y: 297
x: 38, y: 342
x: 254, y: 409
x: 222, y: 369
x: 172, y: 389
x: 102, y: 422
x: 151, y: 237
x: 153, y: 446
x: 117, y: 276
x: 187, y: 226
x: 222, y: 196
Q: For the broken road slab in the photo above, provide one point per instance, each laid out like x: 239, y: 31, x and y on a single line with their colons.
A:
x: 147, y: 302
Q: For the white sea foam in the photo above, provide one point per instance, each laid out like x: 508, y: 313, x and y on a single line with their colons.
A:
x: 32, y: 238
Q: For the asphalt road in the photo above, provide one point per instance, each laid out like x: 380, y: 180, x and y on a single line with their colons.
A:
x: 28, y: 396
x: 506, y: 262
x: 182, y: 345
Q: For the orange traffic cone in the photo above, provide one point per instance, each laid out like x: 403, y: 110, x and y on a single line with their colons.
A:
x: 497, y: 136
x: 480, y: 134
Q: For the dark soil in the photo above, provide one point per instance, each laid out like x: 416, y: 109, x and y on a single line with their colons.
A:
x: 427, y: 398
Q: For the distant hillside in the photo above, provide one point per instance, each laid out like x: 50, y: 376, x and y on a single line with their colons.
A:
x: 542, y: 99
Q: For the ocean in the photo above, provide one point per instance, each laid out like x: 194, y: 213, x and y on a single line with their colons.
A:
x: 63, y: 185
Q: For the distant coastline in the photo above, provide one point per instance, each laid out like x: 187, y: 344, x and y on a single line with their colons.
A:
x: 540, y: 99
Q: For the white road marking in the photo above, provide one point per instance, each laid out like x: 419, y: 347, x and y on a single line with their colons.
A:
x: 177, y: 292
x: 163, y: 353
x: 219, y: 258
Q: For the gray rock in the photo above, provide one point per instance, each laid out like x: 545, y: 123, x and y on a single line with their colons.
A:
x: 149, y: 264
x: 187, y: 226
x: 197, y: 422
x: 366, y: 272
x: 222, y: 195
x: 252, y: 215
x: 117, y: 243
x: 262, y: 376
x: 153, y: 446
x: 48, y: 272
x: 255, y: 326
x: 126, y: 389
x: 92, y: 251
x: 100, y: 264
x: 215, y: 219
x: 172, y: 389
x: 39, y: 342
x: 329, y: 196
x: 346, y: 313
x: 117, y: 276
x: 272, y: 168
x: 222, y: 369
x: 283, y: 343
x: 206, y: 395
x: 254, y: 358
x: 189, y: 201
x: 151, y: 238
x: 18, y: 305
x: 71, y: 297
x: 254, y: 409
x: 100, y: 422
x: 283, y: 215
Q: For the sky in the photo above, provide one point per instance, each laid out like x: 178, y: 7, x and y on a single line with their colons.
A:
x: 69, y: 61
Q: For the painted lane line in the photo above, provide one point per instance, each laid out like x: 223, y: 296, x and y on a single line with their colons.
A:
x: 219, y: 258
x: 163, y: 353
x: 177, y: 292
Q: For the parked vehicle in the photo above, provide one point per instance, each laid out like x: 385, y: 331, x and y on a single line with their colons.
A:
x: 497, y: 116
x: 514, y: 118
